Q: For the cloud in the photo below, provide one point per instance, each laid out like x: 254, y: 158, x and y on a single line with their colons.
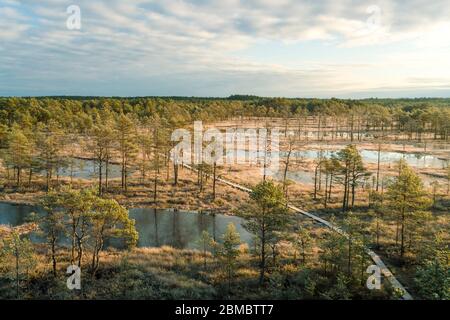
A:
x: 12, y: 23
x: 194, y: 47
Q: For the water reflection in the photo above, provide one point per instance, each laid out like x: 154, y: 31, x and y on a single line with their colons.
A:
x: 180, y: 229
x: 87, y: 169
x: 419, y: 160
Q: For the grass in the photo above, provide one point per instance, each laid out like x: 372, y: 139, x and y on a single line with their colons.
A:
x: 169, y: 273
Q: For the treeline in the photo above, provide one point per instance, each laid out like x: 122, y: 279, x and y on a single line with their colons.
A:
x: 412, y: 117
x: 42, y: 135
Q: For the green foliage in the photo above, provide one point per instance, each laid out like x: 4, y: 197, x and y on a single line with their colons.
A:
x: 126, y: 136
x: 433, y: 280
x: 407, y: 201
x: 228, y: 251
x: 16, y: 258
x: 432, y: 277
x: 108, y: 220
x: 353, y: 228
x: 19, y: 152
x: 206, y: 243
x: 304, y: 243
x: 266, y: 216
x: 86, y: 219
x: 352, y: 171
x: 333, y: 255
x: 340, y: 290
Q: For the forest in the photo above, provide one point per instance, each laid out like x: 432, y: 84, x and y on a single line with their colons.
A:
x: 90, y: 182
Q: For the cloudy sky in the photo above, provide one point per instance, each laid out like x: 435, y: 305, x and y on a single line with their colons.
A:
x: 294, y: 48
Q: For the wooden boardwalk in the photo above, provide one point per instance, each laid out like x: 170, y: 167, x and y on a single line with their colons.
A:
x: 375, y: 258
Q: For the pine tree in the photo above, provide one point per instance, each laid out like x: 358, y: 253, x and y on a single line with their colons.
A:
x: 109, y: 219
x: 353, y: 228
x: 352, y: 172
x: 17, y: 254
x: 229, y: 251
x: 126, y: 134
x: 102, y: 144
x: 52, y: 223
x: 206, y: 242
x: 266, y: 216
x: 433, y: 274
x: 19, y: 152
x: 303, y: 243
x: 407, y: 200
x: 49, y: 148
x: 333, y: 253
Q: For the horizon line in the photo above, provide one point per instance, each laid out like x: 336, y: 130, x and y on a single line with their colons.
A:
x: 229, y: 97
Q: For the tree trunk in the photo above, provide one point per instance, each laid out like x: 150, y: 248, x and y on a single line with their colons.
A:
x: 353, y: 193
x: 123, y: 172
x: 16, y: 254
x: 330, y: 186
x: 175, y: 174
x: 378, y: 233
x: 214, y: 180
x: 100, y: 167
x: 286, y: 169
x: 125, y: 176
x: 72, y: 255
x: 29, y: 177
x: 18, y: 177
x: 349, y: 259
x: 326, y: 190
x: 53, y: 253
x: 378, y: 166
x: 263, y: 258
x: 106, y: 173
x: 155, y: 188
x: 402, y: 236
x: 315, y: 182
x: 344, y: 202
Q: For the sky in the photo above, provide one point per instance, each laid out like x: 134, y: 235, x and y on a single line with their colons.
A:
x: 290, y: 48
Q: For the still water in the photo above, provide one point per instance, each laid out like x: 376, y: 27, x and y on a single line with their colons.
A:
x: 418, y: 160
x: 87, y: 169
x: 179, y: 229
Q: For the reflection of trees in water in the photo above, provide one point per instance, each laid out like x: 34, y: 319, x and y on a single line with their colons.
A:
x: 16, y: 215
x: 144, y: 226
x: 155, y: 215
x: 205, y: 222
x: 86, y: 169
x: 201, y: 223
x: 214, y: 225
x: 177, y: 239
x: 187, y: 228
x: 155, y: 227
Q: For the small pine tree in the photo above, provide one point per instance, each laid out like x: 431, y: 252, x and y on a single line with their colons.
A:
x: 206, y: 242
x: 266, y: 216
x: 304, y: 243
x: 229, y: 251
x: 17, y: 255
x: 407, y: 200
